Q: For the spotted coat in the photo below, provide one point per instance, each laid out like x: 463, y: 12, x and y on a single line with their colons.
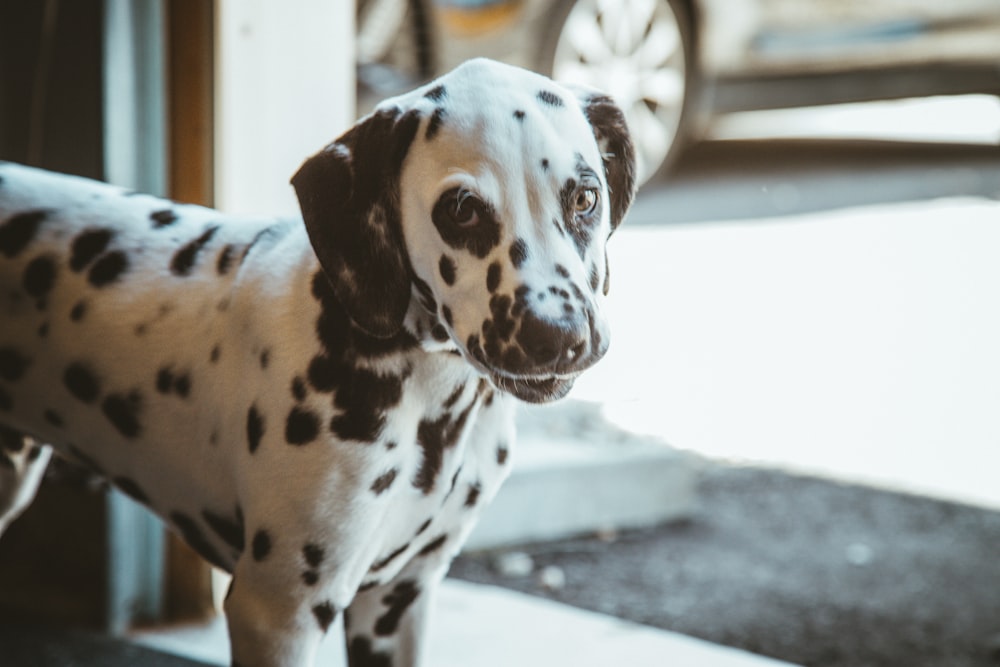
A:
x: 319, y: 406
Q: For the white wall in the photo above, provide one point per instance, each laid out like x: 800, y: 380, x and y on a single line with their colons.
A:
x: 284, y: 89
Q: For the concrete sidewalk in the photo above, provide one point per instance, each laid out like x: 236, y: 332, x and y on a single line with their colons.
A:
x: 483, y: 626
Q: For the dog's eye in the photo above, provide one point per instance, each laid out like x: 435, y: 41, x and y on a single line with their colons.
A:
x: 463, y: 211
x: 586, y: 201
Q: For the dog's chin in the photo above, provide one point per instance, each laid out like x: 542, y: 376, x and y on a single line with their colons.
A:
x: 534, y: 390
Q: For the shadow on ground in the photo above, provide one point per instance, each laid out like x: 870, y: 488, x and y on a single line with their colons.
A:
x: 806, y: 570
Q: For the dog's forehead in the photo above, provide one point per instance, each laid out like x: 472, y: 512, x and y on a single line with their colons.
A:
x: 492, y: 115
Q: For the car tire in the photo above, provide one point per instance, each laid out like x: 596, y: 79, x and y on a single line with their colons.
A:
x: 649, y: 69
x: 395, y: 47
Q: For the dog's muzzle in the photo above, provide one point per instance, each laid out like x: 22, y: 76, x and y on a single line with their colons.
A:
x: 546, y: 356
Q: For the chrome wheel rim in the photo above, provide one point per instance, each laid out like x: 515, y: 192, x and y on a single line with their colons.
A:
x: 632, y: 50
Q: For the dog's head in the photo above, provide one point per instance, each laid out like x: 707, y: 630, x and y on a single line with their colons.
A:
x: 488, y: 194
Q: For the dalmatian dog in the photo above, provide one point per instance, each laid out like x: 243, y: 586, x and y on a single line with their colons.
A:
x: 320, y: 409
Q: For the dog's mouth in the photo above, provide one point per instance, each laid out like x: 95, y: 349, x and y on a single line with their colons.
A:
x: 541, y: 389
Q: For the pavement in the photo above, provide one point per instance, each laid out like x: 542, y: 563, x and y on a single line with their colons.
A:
x: 488, y: 626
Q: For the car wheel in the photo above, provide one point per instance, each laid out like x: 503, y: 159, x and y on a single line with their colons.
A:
x: 638, y: 51
x: 395, y: 47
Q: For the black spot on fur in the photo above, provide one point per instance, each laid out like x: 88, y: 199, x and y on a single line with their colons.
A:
x: 502, y: 453
x: 424, y: 526
x: 446, y: 313
x: 265, y: 359
x: 196, y: 539
x: 13, y: 364
x: 39, y: 276
x: 260, y: 546
x: 454, y: 480
x: 167, y: 382
x: 545, y: 164
x: 81, y: 383
x: 123, y: 413
x: 163, y: 218
x: 434, y: 437
x: 325, y: 374
x: 229, y: 530
x: 447, y: 268
x: 255, y: 428
x: 164, y: 380
x: 108, y: 268
x: 364, y: 397
x: 310, y: 577
x: 302, y: 426
x: 383, y: 482
x: 214, y: 355
x: 379, y: 565
x: 518, y: 253
x: 434, y: 124
x: 562, y: 270
x: 78, y: 311
x: 550, y: 98
x: 433, y: 545
x: 269, y: 234
x: 225, y: 260
x: 129, y: 487
x: 53, y: 418
x: 519, y: 115
x: 439, y: 333
x: 595, y: 278
x: 19, y: 231
x: 83, y: 459
x: 361, y: 654
x: 299, y: 389
x: 437, y: 93
x: 398, y: 601
x: 313, y: 554
x: 453, y: 397
x: 472, y: 497
x: 11, y: 440
x: 493, y: 276
x: 427, y: 299
x: 87, y: 246
x: 184, y: 259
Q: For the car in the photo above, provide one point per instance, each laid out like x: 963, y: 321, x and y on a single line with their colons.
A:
x: 674, y: 64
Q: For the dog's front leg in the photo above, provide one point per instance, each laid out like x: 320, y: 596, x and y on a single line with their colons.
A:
x: 387, y: 624
x: 22, y: 464
x: 269, y: 627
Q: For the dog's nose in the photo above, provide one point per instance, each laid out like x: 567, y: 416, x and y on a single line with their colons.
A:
x: 554, y: 345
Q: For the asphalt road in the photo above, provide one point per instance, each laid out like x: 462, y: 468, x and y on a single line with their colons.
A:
x: 812, y: 571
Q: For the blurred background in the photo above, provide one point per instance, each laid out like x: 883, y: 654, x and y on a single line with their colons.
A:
x: 805, y: 297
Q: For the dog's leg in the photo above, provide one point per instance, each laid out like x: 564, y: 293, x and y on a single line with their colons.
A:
x: 269, y: 626
x: 22, y: 464
x: 387, y: 624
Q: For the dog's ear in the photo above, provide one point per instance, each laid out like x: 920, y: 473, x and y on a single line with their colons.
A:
x: 349, y: 196
x: 615, y: 143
